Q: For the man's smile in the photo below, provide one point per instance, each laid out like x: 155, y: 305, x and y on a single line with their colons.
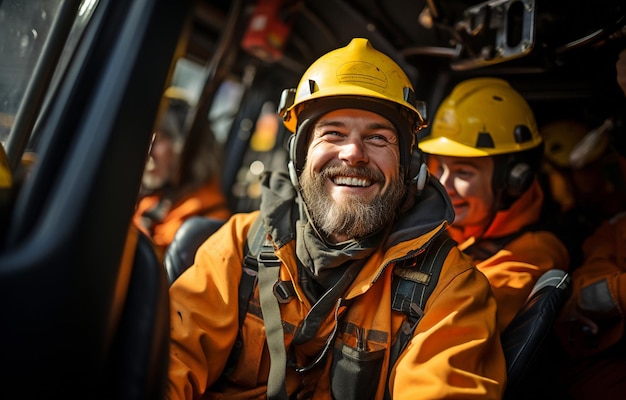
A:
x: 351, y: 181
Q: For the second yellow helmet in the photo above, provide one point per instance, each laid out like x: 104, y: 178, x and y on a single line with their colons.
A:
x: 482, y: 117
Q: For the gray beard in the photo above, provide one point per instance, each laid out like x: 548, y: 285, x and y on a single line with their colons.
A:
x: 354, y: 217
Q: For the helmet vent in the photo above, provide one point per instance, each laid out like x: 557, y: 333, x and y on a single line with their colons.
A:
x: 522, y: 134
x: 484, y: 139
x: 409, y: 96
x: 312, y: 86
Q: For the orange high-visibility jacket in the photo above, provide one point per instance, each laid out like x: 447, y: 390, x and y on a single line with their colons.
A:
x: 207, y: 200
x: 598, y: 292
x: 514, y: 269
x: 455, y: 351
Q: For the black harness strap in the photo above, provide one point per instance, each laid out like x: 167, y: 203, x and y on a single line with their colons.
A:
x: 155, y: 215
x: 414, y: 280
x: 256, y: 240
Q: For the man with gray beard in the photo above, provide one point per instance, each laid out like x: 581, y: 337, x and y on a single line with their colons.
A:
x: 355, y: 212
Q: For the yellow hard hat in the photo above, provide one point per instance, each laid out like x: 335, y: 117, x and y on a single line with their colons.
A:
x: 6, y: 176
x: 177, y: 93
x: 561, y: 137
x: 354, y: 76
x: 482, y: 117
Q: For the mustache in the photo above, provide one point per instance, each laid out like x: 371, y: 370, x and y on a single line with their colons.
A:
x: 358, y: 172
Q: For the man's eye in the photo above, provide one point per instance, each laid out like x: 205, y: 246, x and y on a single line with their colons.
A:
x: 331, y: 133
x: 379, y: 139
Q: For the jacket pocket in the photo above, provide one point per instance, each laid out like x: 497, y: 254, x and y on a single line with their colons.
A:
x: 249, y: 363
x: 355, y: 372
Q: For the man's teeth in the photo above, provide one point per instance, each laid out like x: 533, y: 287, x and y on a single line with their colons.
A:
x: 348, y: 181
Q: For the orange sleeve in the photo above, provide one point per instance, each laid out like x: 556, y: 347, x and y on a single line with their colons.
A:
x: 456, y: 350
x: 514, y: 270
x: 211, y: 283
x: 598, y: 293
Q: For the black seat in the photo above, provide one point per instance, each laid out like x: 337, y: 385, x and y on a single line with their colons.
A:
x: 137, y: 361
x: 180, y: 253
x: 527, y: 339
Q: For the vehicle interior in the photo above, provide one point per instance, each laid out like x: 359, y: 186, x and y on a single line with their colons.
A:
x: 83, y: 298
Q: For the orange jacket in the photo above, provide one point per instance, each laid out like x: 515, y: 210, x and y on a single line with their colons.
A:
x: 598, y: 293
x: 206, y: 200
x: 514, y: 270
x: 455, y: 351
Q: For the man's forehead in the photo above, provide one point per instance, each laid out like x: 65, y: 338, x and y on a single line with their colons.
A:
x: 349, y: 115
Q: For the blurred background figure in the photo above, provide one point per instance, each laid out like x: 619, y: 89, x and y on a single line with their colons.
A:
x: 581, y: 178
x: 591, y: 326
x: 181, y: 177
x: 560, y: 138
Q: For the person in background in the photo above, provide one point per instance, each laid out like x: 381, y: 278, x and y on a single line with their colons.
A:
x: 485, y: 148
x: 181, y: 179
x: 581, y: 180
x: 353, y: 212
x: 592, y: 322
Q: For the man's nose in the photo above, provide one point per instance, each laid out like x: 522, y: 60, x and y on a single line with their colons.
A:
x: 353, y: 152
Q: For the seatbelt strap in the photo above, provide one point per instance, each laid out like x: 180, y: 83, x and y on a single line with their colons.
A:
x: 269, y: 268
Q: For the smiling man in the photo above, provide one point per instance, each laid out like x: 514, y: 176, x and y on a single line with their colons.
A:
x: 352, y: 174
x: 485, y: 148
x: 356, y: 243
